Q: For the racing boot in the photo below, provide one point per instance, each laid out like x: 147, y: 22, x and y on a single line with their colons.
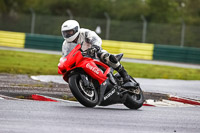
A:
x: 112, y: 61
x: 123, y: 73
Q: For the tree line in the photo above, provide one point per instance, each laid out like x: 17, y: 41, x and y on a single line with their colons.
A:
x: 161, y: 11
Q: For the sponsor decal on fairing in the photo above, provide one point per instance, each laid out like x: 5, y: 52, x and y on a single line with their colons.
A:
x: 94, y: 69
x: 109, y: 94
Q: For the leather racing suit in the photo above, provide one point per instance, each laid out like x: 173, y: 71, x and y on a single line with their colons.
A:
x: 89, y: 39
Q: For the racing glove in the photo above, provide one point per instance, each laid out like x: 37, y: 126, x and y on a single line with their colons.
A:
x: 91, y: 51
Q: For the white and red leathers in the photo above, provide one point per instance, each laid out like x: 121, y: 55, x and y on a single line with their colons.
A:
x: 88, y: 39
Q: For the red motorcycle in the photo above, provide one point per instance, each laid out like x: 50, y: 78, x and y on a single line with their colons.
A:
x: 93, y: 82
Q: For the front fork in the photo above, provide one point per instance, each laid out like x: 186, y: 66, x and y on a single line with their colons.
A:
x: 86, y: 82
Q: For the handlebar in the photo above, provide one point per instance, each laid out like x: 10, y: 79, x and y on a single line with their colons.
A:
x: 89, y: 52
x: 84, y: 53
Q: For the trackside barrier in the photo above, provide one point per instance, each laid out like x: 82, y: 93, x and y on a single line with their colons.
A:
x: 130, y: 49
x: 46, y: 42
x: 176, y: 54
x: 12, y: 39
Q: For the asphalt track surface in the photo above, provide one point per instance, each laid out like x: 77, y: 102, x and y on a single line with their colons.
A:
x: 22, y: 116
x: 59, y: 117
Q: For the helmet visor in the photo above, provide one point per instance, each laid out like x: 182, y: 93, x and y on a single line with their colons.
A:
x: 69, y: 33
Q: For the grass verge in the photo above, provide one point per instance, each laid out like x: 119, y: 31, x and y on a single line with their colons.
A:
x: 17, y: 62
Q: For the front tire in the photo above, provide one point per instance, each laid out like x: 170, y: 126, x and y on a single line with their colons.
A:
x: 87, y: 97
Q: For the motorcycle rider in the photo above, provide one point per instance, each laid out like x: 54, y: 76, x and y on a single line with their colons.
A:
x: 74, y: 35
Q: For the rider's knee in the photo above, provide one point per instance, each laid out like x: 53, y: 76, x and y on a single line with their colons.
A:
x: 103, y: 56
x: 109, y: 59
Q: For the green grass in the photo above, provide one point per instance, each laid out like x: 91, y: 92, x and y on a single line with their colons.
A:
x: 28, y: 63
x: 163, y: 72
x: 16, y: 62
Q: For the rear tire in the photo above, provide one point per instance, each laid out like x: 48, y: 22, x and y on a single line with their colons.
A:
x: 134, y: 101
x: 88, y: 98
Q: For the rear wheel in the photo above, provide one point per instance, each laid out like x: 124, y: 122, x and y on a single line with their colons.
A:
x: 86, y: 96
x: 135, y: 98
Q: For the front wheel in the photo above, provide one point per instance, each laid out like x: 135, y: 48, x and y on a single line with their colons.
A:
x: 134, y: 99
x: 86, y: 96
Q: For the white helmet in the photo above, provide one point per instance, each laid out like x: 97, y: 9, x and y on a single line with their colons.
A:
x: 70, y: 30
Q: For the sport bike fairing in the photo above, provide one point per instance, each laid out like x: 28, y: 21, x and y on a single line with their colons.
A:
x: 75, y: 59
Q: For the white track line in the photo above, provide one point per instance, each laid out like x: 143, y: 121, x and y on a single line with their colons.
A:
x: 1, y: 98
x: 163, y: 103
x: 57, y: 99
x: 8, y: 98
x: 167, y: 103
